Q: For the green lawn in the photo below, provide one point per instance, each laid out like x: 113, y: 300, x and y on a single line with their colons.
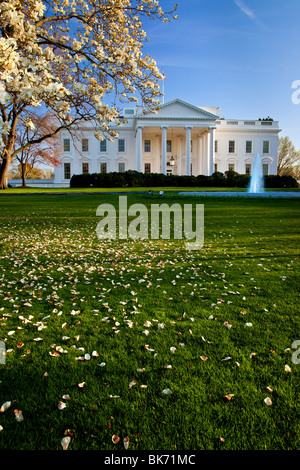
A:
x: 65, y: 294
x: 30, y: 190
x: 110, y: 190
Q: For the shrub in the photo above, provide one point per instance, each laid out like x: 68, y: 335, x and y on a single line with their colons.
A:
x: 132, y: 178
x: 276, y: 181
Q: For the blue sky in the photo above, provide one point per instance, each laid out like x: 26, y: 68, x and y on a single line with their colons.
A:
x: 239, y: 55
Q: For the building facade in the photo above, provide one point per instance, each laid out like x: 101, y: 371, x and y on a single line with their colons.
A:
x: 180, y: 138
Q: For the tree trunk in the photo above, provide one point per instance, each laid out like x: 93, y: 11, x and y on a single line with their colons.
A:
x: 7, y: 155
x: 3, y: 173
x: 23, y: 171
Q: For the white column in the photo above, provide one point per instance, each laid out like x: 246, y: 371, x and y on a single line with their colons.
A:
x: 207, y: 147
x: 204, y: 154
x: 179, y: 159
x: 164, y: 150
x: 207, y: 152
x: 139, y: 149
x: 212, y: 151
x: 200, y: 166
x: 157, y: 153
x: 188, y: 151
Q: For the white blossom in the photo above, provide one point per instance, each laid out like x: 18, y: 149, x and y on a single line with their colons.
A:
x: 29, y: 124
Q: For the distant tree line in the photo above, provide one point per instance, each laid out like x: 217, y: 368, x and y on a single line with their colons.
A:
x: 30, y: 172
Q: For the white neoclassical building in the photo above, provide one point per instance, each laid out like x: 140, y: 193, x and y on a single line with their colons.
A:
x: 180, y: 138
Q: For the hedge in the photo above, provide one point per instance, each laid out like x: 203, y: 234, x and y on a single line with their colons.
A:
x: 133, y: 178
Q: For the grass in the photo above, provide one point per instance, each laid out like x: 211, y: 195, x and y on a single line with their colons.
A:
x: 58, y: 281
x: 30, y: 190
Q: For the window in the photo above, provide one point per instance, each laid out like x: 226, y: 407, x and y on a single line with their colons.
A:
x: 248, y: 168
x: 85, y: 168
x: 147, y: 145
x: 66, y: 145
x: 147, y: 167
x: 121, y: 145
x: 231, y: 167
x: 103, y: 167
x: 169, y: 145
x: 121, y: 167
x: 67, y: 171
x: 249, y: 146
x: 216, y: 146
x: 231, y: 146
x: 103, y: 146
x: 266, y: 146
x: 265, y: 169
x: 85, y: 145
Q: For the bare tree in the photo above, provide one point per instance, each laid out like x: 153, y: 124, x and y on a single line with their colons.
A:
x: 288, y: 162
x: 46, y: 151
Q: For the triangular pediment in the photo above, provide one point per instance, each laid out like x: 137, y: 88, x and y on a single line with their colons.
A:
x: 180, y: 110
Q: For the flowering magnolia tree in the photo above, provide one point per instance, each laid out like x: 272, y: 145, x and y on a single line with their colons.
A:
x: 66, y: 56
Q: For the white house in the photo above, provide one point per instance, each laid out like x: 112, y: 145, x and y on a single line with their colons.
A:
x: 180, y: 138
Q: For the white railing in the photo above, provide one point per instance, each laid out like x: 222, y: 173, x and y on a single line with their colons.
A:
x: 242, y: 123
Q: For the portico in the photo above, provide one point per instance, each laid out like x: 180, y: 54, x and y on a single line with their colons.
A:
x: 178, y: 150
x: 179, y: 139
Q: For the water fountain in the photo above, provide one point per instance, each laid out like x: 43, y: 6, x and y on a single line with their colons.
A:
x: 257, y: 180
x: 255, y: 188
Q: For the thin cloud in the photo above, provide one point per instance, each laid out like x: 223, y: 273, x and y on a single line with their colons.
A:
x: 245, y: 9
